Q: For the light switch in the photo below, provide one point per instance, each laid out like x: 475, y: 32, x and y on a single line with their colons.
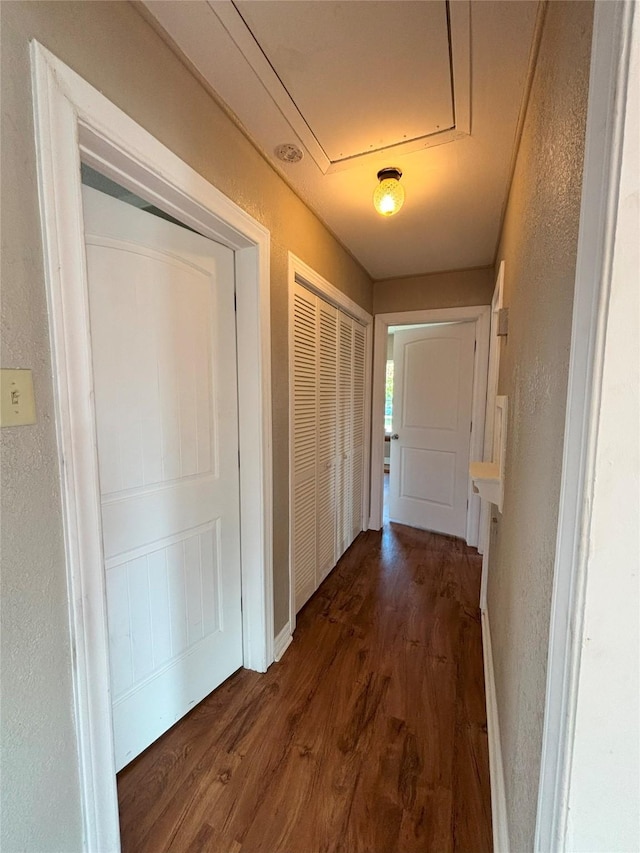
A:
x: 16, y: 396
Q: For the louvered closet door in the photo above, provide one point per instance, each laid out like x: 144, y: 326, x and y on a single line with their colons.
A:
x: 327, y: 410
x: 305, y: 421
x: 357, y: 429
x: 344, y: 488
x: 328, y: 396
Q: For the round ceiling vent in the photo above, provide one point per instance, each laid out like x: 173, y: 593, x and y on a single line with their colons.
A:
x: 289, y: 153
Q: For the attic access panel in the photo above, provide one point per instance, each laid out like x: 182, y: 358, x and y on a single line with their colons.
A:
x: 355, y: 77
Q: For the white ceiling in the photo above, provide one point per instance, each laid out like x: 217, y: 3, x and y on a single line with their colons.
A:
x: 431, y: 87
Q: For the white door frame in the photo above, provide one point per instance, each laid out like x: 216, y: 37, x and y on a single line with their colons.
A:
x: 478, y: 314
x: 73, y: 121
x: 493, y: 374
x: 303, y: 274
x: 615, y: 25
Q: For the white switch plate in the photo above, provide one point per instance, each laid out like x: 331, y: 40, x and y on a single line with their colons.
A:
x: 16, y: 397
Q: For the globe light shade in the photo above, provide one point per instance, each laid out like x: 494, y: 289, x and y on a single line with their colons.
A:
x: 388, y: 197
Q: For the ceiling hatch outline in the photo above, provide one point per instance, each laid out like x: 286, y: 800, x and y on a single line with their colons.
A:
x: 459, y: 32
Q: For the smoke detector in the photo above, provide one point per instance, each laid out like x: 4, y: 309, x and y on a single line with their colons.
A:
x: 289, y: 153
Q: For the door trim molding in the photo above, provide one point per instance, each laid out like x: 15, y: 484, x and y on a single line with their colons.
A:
x: 493, y: 372
x: 478, y: 314
x: 615, y: 25
x: 499, y: 820
x: 73, y: 121
x: 303, y: 274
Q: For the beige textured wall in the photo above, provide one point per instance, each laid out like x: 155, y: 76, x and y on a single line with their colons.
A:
x: 112, y: 47
x: 454, y: 289
x: 538, y: 244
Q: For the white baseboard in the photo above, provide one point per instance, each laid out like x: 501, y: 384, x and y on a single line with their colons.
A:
x: 282, y: 642
x: 496, y: 769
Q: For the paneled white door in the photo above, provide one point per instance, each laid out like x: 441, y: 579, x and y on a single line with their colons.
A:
x: 432, y: 400
x: 161, y: 302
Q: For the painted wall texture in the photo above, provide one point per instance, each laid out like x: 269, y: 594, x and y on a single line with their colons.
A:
x: 538, y: 244
x: 112, y: 47
x: 454, y: 289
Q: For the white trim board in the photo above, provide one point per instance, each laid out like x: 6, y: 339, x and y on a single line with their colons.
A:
x: 305, y: 275
x: 282, y: 642
x: 478, y: 314
x: 73, y: 121
x: 302, y: 273
x: 613, y: 30
x: 493, y: 374
x: 499, y: 820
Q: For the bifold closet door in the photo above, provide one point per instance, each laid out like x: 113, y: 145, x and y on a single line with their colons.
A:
x: 344, y: 492
x: 304, y: 439
x: 327, y: 412
x: 357, y: 429
x: 327, y: 421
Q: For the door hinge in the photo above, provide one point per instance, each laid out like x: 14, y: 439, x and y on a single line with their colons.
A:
x: 235, y: 301
x: 475, y: 344
x: 238, y: 458
x: 471, y: 426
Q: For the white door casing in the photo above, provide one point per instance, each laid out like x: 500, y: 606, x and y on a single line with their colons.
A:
x: 492, y: 393
x: 479, y: 315
x: 432, y: 404
x: 161, y: 304
x: 608, y: 231
x: 72, y: 119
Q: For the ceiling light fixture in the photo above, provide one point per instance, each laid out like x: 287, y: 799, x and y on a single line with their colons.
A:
x: 388, y: 197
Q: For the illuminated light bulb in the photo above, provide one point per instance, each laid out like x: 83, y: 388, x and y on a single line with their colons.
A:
x: 388, y: 197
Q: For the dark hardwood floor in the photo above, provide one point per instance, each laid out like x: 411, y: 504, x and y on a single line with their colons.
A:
x: 368, y: 737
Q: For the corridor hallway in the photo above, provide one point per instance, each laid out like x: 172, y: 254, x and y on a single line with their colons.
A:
x: 369, y: 735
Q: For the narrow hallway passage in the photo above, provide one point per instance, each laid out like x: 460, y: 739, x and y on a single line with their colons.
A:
x: 370, y: 735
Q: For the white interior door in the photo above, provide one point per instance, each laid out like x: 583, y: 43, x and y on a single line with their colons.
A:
x: 327, y: 383
x: 344, y: 482
x: 357, y: 429
x: 432, y: 400
x: 161, y: 302
x: 327, y: 420
x: 304, y: 438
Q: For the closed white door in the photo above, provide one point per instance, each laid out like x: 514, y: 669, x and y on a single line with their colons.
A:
x: 344, y: 479
x: 432, y: 400
x: 304, y: 423
x: 357, y: 429
x: 327, y: 383
x: 163, y: 343
x: 327, y: 437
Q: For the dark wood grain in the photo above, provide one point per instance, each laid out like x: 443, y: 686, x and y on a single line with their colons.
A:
x: 369, y: 736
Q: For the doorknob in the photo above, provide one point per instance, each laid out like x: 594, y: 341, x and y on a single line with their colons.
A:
x: 395, y: 436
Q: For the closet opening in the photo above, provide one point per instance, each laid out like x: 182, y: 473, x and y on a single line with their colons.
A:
x: 330, y: 427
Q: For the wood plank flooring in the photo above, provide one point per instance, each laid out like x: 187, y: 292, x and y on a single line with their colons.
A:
x: 369, y: 736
